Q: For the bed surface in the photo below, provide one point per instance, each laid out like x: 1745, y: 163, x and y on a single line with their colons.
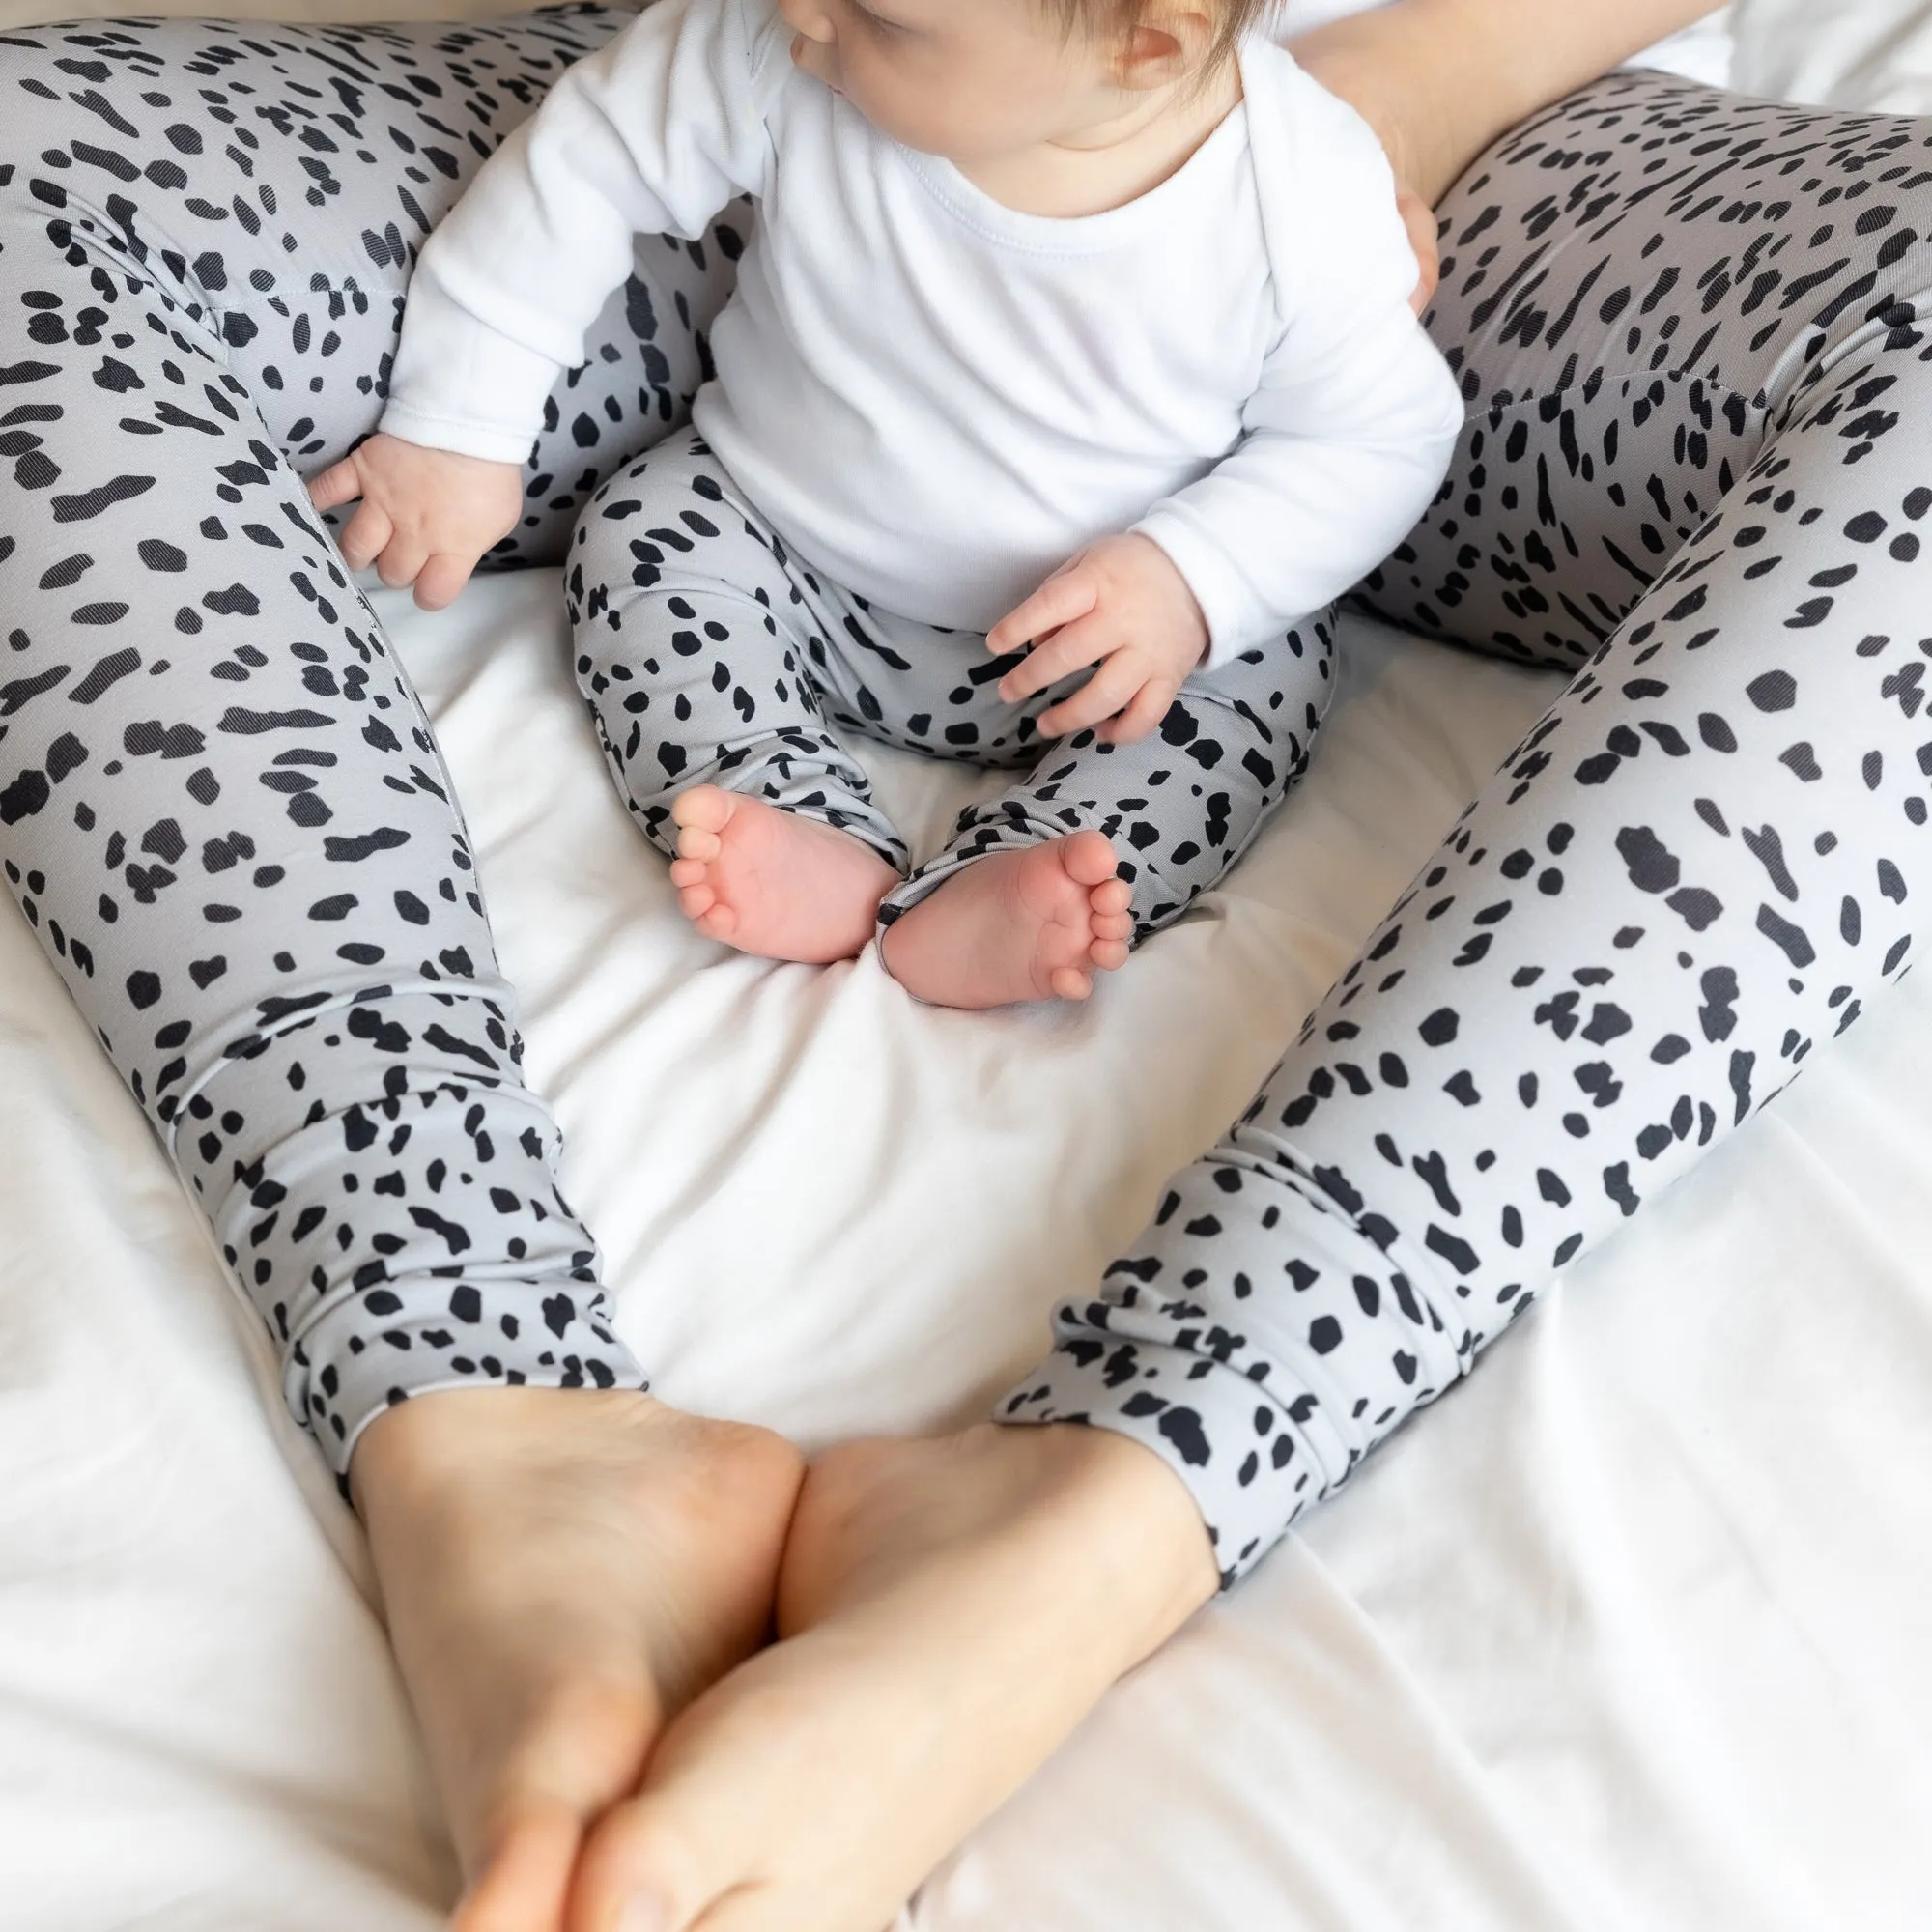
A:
x: 1634, y: 1631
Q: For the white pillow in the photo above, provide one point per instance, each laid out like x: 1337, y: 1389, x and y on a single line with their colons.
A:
x: 1872, y: 54
x: 1703, y: 53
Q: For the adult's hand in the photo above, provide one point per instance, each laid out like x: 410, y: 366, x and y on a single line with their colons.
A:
x: 1419, y: 218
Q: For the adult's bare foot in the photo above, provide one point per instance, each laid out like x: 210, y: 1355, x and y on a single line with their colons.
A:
x: 772, y: 883
x: 563, y: 1570
x: 951, y: 1609
x: 1031, y: 925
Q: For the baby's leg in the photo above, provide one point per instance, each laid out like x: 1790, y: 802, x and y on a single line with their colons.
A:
x: 697, y: 635
x: 1103, y: 844
x: 1033, y: 923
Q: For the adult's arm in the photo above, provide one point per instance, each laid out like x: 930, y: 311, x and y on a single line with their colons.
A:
x: 1440, y: 80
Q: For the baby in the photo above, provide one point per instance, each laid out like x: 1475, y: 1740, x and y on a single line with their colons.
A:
x: 1070, y: 377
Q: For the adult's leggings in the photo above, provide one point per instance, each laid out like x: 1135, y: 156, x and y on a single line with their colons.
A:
x: 1688, y: 330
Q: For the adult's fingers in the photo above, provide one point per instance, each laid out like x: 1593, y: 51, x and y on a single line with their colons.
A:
x: 1099, y: 697
x: 1419, y: 218
x: 1064, y: 596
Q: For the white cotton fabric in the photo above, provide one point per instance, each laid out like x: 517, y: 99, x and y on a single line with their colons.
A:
x: 937, y: 400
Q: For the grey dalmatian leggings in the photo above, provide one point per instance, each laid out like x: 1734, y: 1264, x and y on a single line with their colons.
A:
x: 710, y: 654
x: 1694, y: 476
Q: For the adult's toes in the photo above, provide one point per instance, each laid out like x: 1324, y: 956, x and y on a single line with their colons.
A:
x: 1089, y: 858
x: 527, y: 1875
x: 644, y: 1869
x: 759, y: 1909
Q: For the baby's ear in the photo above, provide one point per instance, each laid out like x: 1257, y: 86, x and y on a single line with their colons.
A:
x: 1165, y: 47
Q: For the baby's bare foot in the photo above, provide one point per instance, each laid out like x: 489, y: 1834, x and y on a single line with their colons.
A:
x: 1034, y: 925
x: 772, y: 883
x: 561, y: 1572
x: 952, y: 1609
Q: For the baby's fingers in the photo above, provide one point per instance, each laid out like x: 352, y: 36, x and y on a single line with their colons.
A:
x: 1060, y: 599
x: 441, y: 581
x: 1150, y: 706
x: 340, y: 483
x: 368, y: 536
x: 1073, y: 649
x: 402, y: 561
x: 1100, y: 697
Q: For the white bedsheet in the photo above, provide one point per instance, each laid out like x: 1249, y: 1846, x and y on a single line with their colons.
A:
x: 1632, y: 1632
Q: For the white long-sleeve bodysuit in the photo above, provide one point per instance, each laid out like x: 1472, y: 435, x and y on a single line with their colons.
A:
x: 939, y: 400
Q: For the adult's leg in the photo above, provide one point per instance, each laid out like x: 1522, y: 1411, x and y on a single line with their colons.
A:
x: 223, y: 812
x: 1700, y: 864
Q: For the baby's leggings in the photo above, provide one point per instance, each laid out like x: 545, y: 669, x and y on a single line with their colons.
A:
x: 710, y: 653
x: 1685, y: 326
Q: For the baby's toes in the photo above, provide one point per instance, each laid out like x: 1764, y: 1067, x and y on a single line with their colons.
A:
x: 1109, y: 955
x: 702, y: 809
x: 1089, y: 859
x: 1070, y: 983
x: 1113, y: 924
x: 697, y: 899
x: 694, y: 841
x: 1111, y: 898
x: 691, y: 871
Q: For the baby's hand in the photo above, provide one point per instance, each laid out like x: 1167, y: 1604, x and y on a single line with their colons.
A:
x: 1122, y: 605
x: 427, y: 515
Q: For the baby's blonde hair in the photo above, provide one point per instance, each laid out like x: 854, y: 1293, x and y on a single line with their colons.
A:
x: 1116, y: 19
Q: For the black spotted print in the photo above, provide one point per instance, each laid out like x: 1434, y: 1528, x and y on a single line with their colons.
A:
x: 1689, y: 327
x: 221, y: 808
x: 711, y: 654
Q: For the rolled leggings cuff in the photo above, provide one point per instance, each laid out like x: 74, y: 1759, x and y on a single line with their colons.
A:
x: 789, y: 779
x: 1005, y: 825
x: 1261, y: 1339
x: 1252, y: 1459
x: 436, y: 1333
x: 1008, y: 826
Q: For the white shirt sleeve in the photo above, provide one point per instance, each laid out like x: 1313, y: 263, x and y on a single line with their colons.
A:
x: 653, y: 135
x: 1349, y: 434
